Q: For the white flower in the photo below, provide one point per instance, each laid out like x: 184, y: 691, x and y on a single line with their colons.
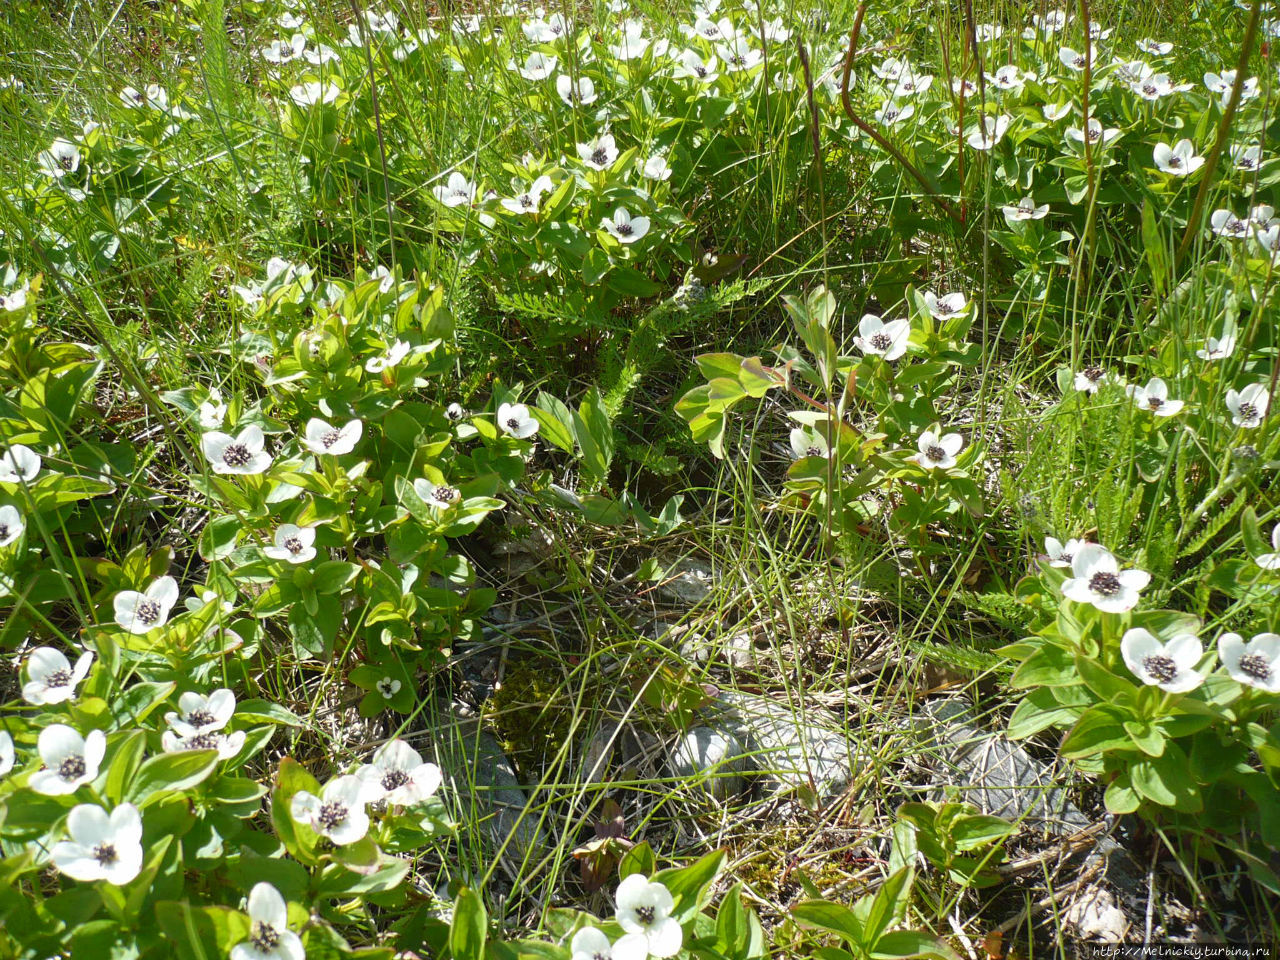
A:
x: 888, y: 340
x: 1170, y: 666
x: 632, y: 44
x: 963, y: 88
x: 1155, y: 86
x: 1248, y: 406
x: 1090, y: 379
x: 1096, y: 133
x: 909, y: 85
x: 70, y: 760
x: 1226, y: 224
x: 545, y: 31
x: 709, y: 29
x: 1154, y: 397
x: 988, y: 32
x: 62, y: 158
x: 200, y: 714
x: 599, y: 153
x: 937, y: 452
x: 514, y: 419
x: 51, y: 678
x: 1246, y: 158
x: 140, y: 612
x: 322, y: 437
x: 625, y: 228
x: 11, y: 525
x: 1051, y: 22
x: 891, y: 68
x: 1215, y: 349
x: 1071, y: 58
x: 269, y: 935
x: 1025, y: 210
x: 395, y: 353
x: 454, y: 412
x: 591, y: 943
x: 1180, y: 160
x: 691, y: 66
x: 212, y: 412
x: 102, y: 846
x: 399, y: 776
x: 1268, y: 239
x: 538, y: 66
x: 1061, y: 554
x: 439, y: 497
x: 338, y: 813
x: 890, y: 113
x: 946, y: 306
x: 456, y: 192
x: 529, y: 201
x: 988, y: 132
x: 1256, y: 663
x: 242, y: 454
x: 388, y: 687
x: 1221, y: 83
x: 313, y: 92
x: 656, y: 168
x: 738, y: 54
x: 227, y: 744
x: 292, y: 543
x: 7, y: 755
x: 775, y: 31
x: 1155, y: 48
x: 1271, y: 561
x: 1008, y: 78
x: 19, y: 464
x: 576, y: 94
x: 807, y: 442
x: 1097, y: 579
x: 284, y: 51
x: 321, y: 55
x: 644, y: 913
x: 1053, y: 112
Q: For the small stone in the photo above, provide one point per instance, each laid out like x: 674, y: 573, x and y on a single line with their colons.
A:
x: 1094, y: 915
x: 715, y: 757
x: 686, y: 582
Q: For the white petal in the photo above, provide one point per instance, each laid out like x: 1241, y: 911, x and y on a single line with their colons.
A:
x: 57, y: 742
x: 89, y: 825
x: 164, y: 592
x: 267, y: 906
x: 667, y: 939
x: 44, y: 661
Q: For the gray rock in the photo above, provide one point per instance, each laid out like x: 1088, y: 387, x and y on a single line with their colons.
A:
x: 738, y: 649
x: 482, y: 783
x: 716, y: 757
x: 686, y: 582
x: 788, y: 748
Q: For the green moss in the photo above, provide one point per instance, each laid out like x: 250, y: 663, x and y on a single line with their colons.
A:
x: 531, y: 713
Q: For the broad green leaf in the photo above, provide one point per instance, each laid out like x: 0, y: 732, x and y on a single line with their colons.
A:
x: 171, y: 771
x: 468, y: 931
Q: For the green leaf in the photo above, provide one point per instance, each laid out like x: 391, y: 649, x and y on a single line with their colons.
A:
x: 201, y: 933
x: 1154, y: 246
x: 1102, y: 681
x: 733, y: 932
x: 1146, y: 736
x: 639, y: 859
x: 1050, y: 666
x: 218, y: 538
x: 595, y: 435
x: 890, y: 903
x: 1097, y: 731
x: 1038, y: 711
x: 714, y: 365
x: 691, y: 885
x: 555, y: 422
x: 169, y: 772
x: 1167, y: 780
x: 122, y: 763
x: 912, y: 943
x: 1120, y: 797
x: 833, y: 917
x: 467, y: 933
x: 972, y: 832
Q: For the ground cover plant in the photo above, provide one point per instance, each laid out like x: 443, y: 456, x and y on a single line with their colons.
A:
x: 724, y: 481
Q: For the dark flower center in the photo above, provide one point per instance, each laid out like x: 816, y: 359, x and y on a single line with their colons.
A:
x: 332, y: 814
x: 105, y: 854
x: 935, y: 453
x: 446, y: 494
x: 1078, y: 62
x: 1256, y: 665
x: 1065, y: 557
x: 59, y: 678
x: 4, y: 531
x: 1236, y: 226
x: 1247, y: 163
x: 387, y: 687
x: 1093, y: 374
x: 599, y: 156
x: 65, y: 161
x: 1094, y: 134
x: 1105, y: 584
x: 72, y: 767
x: 1161, y: 667
x: 700, y: 72
x: 527, y: 201
x: 881, y: 341
x: 1248, y: 411
x: 513, y: 424
x: 200, y: 718
x: 148, y: 611
x: 891, y: 114
x: 330, y: 438
x: 393, y: 779
x: 1175, y: 163
x: 1155, y: 403
x: 293, y: 545
x: 1149, y: 89
x: 944, y: 308
x: 236, y: 455
x: 211, y: 740
x: 646, y: 915
x: 738, y: 60
x: 625, y: 229
x: 264, y: 936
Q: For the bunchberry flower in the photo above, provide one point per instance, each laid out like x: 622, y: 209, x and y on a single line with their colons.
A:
x: 808, y: 442
x: 148, y: 610
x: 103, y: 846
x: 1217, y: 349
x: 1154, y: 397
x: 1221, y: 84
x: 691, y: 66
x: 890, y: 113
x: 1026, y: 209
x: 514, y: 419
x: 888, y: 340
x: 1098, y: 580
x: 591, y: 943
x: 625, y: 228
x: 600, y: 153
x: 1008, y: 78
x: 1226, y: 224
x: 656, y: 168
x: 538, y: 66
x: 227, y: 744
x: 1154, y: 48
x: 51, y: 678
x: 439, y: 497
x: 644, y: 913
x: 322, y: 437
x: 19, y: 464
x: 388, y: 687
x: 1180, y: 160
x: 269, y: 935
x: 1256, y: 663
x: 988, y: 132
x: 243, y: 454
x: 70, y: 760
x: 313, y: 92
x: 1094, y: 132
x: 398, y: 775
x: 1061, y: 554
x: 1271, y: 561
x: 1073, y: 59
x: 529, y: 201
x: 738, y: 54
x: 937, y: 452
x: 946, y: 306
x: 292, y: 543
x: 577, y: 93
x: 1248, y: 407
x: 395, y: 353
x: 7, y: 755
x: 1170, y: 666
x: 338, y: 813
x: 201, y: 714
x: 457, y: 191
x: 62, y: 158
x: 1090, y: 379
